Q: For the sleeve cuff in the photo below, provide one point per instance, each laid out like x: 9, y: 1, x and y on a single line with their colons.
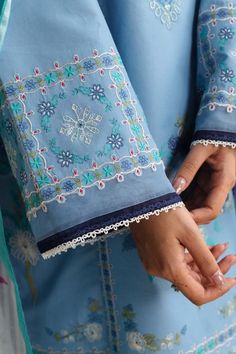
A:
x: 213, y: 137
x: 100, y: 227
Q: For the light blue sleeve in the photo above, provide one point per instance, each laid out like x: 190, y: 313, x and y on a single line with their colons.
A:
x: 216, y: 123
x: 73, y: 129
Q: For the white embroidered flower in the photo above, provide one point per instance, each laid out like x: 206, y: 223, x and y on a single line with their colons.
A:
x: 93, y: 332
x: 136, y: 341
x: 82, y: 126
x: 24, y: 248
x: 11, y: 154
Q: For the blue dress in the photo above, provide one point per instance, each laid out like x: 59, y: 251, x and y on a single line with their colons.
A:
x: 97, y: 98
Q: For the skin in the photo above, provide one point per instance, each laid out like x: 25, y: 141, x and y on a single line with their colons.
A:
x: 162, y: 240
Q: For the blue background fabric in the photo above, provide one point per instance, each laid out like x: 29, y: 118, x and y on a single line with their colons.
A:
x: 139, y: 104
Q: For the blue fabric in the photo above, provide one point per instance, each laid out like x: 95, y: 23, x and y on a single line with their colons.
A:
x: 78, y: 116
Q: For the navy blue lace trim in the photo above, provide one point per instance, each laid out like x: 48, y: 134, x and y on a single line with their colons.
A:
x: 215, y: 135
x: 107, y: 220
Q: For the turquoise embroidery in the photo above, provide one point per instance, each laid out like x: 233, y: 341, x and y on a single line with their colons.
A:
x: 48, y: 183
x: 81, y: 127
x: 96, y: 93
x: 167, y: 10
x: 214, y: 51
x: 147, y: 342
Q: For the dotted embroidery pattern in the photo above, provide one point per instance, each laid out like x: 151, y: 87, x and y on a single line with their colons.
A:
x: 214, y: 343
x: 217, y: 28
x: 167, y: 10
x: 45, y: 186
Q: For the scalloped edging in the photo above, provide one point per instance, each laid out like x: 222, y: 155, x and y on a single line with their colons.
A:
x: 217, y: 143
x: 91, y: 237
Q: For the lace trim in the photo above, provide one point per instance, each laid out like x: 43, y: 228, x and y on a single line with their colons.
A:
x: 214, y: 142
x: 103, y: 232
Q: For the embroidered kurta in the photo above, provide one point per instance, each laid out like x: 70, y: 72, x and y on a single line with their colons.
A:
x: 96, y: 98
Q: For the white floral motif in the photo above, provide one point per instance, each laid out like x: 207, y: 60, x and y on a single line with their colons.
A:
x: 24, y: 248
x: 136, y: 341
x: 93, y: 332
x: 167, y: 10
x: 83, y: 126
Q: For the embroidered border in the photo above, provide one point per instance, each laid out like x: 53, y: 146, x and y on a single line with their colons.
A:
x: 47, y: 187
x: 109, y: 296
x: 99, y: 227
x: 216, y: 138
x: 214, y: 343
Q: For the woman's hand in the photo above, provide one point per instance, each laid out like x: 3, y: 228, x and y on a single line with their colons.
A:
x: 162, y: 242
x: 214, y: 170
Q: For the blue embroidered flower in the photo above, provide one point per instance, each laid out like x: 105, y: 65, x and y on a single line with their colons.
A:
x: 173, y: 142
x: 23, y: 177
x: 89, y: 65
x: 16, y: 108
x: 22, y: 126
x: 143, y: 160
x: 28, y: 144
x: 129, y: 112
x: 88, y: 178
x: 65, y: 158
x: 126, y: 165
x: 36, y: 163
x: 227, y: 75
x: 107, y: 61
x: 48, y: 193
x: 96, y: 92
x: 30, y: 84
x: 50, y: 78
x: 108, y: 171
x: 46, y: 109
x: 10, y: 90
x: 226, y: 33
x: 115, y: 140
x: 68, y: 186
x: 69, y: 71
x: 222, y: 13
x: 117, y: 77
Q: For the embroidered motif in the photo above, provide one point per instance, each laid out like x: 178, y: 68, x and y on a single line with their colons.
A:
x: 216, y: 80
x: 215, y: 343
x: 96, y: 93
x: 228, y: 309
x: 48, y: 183
x: 92, y: 331
x: 167, y: 10
x: 147, y: 342
x: 83, y: 126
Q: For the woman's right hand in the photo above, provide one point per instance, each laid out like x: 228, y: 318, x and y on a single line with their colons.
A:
x: 162, y: 242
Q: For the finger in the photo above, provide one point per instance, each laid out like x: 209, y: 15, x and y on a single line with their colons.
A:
x: 194, y: 290
x: 216, y: 250
x: 227, y: 262
x: 202, y: 256
x: 213, y: 205
x: 194, y: 160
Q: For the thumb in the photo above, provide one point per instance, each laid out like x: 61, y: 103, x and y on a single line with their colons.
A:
x: 189, y: 168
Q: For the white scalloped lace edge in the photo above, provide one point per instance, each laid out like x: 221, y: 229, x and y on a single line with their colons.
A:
x: 103, y: 233
x: 214, y: 142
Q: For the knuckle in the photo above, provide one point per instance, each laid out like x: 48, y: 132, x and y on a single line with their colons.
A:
x: 190, y: 166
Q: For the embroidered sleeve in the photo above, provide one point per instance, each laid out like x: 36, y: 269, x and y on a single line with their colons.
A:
x: 74, y: 131
x: 216, y: 123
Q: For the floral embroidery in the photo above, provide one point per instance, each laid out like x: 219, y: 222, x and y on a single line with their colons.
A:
x: 226, y: 33
x: 65, y: 158
x: 47, y: 186
x: 115, y: 140
x: 83, y: 127
x: 46, y: 109
x: 167, y: 10
x: 92, y: 331
x: 96, y: 93
x: 23, y: 247
x: 147, y: 342
x: 214, y: 55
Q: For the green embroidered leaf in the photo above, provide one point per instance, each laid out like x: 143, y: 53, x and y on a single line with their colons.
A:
x: 85, y: 90
x: 53, y: 148
x: 151, y: 344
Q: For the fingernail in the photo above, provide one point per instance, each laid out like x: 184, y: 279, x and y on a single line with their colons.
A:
x: 179, y: 183
x: 218, y: 279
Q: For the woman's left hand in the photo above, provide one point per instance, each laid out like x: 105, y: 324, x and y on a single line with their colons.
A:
x: 214, y: 171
